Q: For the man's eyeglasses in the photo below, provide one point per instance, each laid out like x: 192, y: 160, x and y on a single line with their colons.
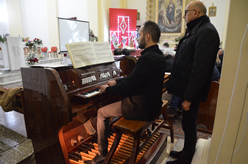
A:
x: 186, y: 11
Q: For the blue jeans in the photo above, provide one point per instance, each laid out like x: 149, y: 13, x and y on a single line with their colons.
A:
x: 174, y: 101
x: 103, y: 116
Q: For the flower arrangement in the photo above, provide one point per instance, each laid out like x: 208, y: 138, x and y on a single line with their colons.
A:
x: 166, y: 44
x: 32, y: 59
x: 32, y: 49
x: 37, y: 41
x: 29, y: 43
x: 32, y: 43
x: 93, y: 37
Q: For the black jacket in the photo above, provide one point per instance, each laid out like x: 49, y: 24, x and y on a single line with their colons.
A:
x: 142, y: 89
x: 194, y: 61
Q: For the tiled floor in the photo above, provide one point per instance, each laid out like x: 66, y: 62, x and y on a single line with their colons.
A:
x: 165, y: 155
x: 14, y: 121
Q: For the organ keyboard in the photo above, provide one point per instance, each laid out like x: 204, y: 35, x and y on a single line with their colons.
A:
x: 90, y: 93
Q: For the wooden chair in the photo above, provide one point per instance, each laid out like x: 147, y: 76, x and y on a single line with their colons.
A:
x: 135, y: 129
x: 206, y: 114
x: 54, y: 51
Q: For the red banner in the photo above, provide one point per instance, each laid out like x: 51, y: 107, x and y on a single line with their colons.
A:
x: 122, y: 27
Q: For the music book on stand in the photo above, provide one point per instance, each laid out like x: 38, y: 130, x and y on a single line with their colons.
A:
x: 89, y: 53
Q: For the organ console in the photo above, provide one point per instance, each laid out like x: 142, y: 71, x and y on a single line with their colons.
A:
x: 62, y: 97
x: 52, y: 97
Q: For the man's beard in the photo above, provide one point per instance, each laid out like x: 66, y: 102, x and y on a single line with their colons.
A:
x: 142, y: 43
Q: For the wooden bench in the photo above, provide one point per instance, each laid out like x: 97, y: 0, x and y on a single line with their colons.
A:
x: 135, y: 129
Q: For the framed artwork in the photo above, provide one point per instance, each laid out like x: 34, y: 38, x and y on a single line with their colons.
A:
x: 138, y: 15
x: 212, y: 11
x: 170, y: 16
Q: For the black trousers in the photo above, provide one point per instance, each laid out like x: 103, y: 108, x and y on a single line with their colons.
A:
x: 190, y: 131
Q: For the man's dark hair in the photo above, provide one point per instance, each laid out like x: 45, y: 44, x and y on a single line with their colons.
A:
x: 153, y: 29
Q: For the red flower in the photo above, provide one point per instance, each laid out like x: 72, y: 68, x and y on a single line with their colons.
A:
x: 34, y: 60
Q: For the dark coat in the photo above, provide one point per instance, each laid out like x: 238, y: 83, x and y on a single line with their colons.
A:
x: 142, y: 89
x: 194, y: 62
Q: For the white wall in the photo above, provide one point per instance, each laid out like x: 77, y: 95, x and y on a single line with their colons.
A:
x: 15, y: 19
x: 115, y: 4
x: 4, y: 23
x: 52, y: 23
x: 93, y: 15
x: 140, y: 5
x: 34, y: 20
x: 73, y: 8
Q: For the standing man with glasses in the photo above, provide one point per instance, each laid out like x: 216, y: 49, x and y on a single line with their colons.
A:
x: 191, y: 73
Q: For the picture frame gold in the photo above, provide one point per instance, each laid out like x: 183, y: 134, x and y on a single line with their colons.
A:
x: 138, y: 15
x: 169, y: 16
x: 212, y: 11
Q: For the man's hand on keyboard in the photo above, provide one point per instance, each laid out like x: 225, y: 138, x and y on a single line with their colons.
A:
x: 103, y: 88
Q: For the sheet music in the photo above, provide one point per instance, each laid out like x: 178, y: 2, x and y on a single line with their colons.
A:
x: 103, y: 52
x: 81, y: 54
x: 89, y: 53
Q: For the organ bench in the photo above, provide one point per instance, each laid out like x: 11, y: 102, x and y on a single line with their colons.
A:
x: 127, y: 141
x: 135, y: 129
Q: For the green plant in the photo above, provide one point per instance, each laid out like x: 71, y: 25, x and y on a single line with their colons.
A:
x: 166, y: 44
x: 178, y: 39
x: 92, y: 36
x: 2, y: 40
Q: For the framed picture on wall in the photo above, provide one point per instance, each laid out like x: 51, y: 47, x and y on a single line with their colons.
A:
x: 212, y: 11
x: 138, y: 15
x: 170, y: 16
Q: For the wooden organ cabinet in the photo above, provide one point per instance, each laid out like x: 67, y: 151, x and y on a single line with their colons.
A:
x: 65, y: 99
x: 52, y: 97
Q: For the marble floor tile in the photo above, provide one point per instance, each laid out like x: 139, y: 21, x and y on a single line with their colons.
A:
x: 165, y: 155
x: 14, y: 121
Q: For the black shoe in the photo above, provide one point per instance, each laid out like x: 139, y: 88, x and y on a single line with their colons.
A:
x: 172, y: 111
x: 98, y: 159
x: 176, y: 154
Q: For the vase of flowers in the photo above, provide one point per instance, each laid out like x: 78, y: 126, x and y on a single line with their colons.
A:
x: 38, y: 43
x: 32, y: 59
x: 32, y: 45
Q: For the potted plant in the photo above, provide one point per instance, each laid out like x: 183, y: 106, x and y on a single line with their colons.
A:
x: 166, y: 44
